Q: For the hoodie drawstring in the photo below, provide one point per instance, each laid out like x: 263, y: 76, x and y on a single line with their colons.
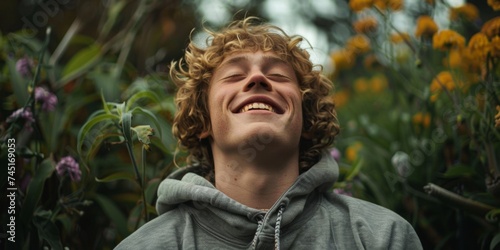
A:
x: 277, y: 228
x: 259, y: 227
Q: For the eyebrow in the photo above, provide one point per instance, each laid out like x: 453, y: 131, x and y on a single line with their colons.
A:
x: 267, y: 60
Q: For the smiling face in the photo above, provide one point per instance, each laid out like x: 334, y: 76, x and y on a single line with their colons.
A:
x: 254, y: 96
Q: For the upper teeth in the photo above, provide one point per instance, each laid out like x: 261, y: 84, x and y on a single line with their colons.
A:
x: 256, y: 105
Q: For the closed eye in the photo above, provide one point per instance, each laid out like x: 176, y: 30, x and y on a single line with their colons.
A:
x: 279, y: 77
x: 234, y: 77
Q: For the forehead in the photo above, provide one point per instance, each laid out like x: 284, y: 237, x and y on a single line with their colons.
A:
x: 248, y: 57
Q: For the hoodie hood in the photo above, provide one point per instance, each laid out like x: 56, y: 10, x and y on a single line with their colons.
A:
x: 184, y: 185
x: 221, y: 215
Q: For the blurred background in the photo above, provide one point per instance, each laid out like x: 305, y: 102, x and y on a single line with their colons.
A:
x: 417, y: 91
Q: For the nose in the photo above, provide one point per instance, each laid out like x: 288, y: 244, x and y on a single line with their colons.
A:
x: 256, y: 81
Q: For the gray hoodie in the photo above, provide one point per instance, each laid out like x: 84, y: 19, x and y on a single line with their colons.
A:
x: 193, y: 214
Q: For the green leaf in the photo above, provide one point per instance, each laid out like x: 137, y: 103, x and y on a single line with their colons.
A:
x: 106, y: 79
x: 19, y: 85
x: 117, y: 176
x: 158, y: 142
x: 66, y: 222
x: 97, y: 141
x: 135, y: 217
x: 104, y: 104
x: 148, y: 114
x: 81, y: 62
x: 355, y: 170
x: 169, y: 105
x: 140, y: 95
x: 47, y: 229
x: 151, y: 209
x: 86, y: 128
x: 374, y: 187
x: 35, y: 189
x: 495, y: 242
x: 113, y: 14
x: 33, y: 44
x: 459, y: 171
x: 151, y: 189
x: 126, y: 125
x: 112, y: 211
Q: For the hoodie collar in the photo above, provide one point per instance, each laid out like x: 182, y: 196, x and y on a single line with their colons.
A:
x: 185, y: 187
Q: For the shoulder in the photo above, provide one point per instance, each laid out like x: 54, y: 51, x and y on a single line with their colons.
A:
x: 163, y: 232
x: 371, y: 223
x: 359, y: 208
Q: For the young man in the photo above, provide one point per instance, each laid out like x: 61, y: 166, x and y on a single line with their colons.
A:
x: 256, y: 117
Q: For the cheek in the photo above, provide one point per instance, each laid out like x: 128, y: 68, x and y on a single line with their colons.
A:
x: 217, y: 109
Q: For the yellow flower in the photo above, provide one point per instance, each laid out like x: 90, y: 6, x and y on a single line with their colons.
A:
x: 479, y: 46
x: 423, y: 119
x: 340, y: 98
x: 455, y: 58
x: 342, y: 59
x: 426, y: 27
x: 372, y: 62
x: 497, y: 117
x: 491, y: 28
x: 495, y: 47
x: 463, y: 59
x: 467, y: 11
x: 447, y: 39
x: 378, y: 83
x: 495, y: 4
x: 393, y: 4
x: 396, y: 4
x: 443, y: 80
x: 400, y: 37
x: 352, y: 151
x: 365, y: 25
x: 361, y: 85
x: 359, y: 5
x: 358, y: 44
x: 381, y: 4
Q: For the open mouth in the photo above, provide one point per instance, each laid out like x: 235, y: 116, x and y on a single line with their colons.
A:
x: 259, y: 103
x: 257, y: 106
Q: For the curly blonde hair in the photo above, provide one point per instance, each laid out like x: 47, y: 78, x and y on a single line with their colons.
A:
x: 193, y: 73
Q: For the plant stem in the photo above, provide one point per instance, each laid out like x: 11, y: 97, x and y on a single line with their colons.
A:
x: 144, y: 181
x: 492, y: 161
x: 456, y: 200
x: 138, y: 177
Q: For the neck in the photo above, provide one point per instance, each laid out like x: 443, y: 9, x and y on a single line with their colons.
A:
x: 258, y: 183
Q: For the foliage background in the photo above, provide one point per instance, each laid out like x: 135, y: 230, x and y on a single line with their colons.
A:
x: 100, y: 54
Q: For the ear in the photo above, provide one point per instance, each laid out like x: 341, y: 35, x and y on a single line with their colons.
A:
x: 204, y: 134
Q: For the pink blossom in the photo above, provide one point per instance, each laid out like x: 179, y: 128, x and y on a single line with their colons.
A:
x: 335, y: 153
x: 68, y: 165
x: 46, y: 98
x: 342, y: 191
x: 24, y: 66
x: 25, y: 115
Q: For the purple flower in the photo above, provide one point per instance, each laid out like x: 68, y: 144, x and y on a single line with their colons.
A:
x: 346, y: 190
x: 47, y: 99
x: 68, y: 165
x: 335, y: 153
x: 23, y: 114
x: 342, y: 191
x: 24, y: 66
